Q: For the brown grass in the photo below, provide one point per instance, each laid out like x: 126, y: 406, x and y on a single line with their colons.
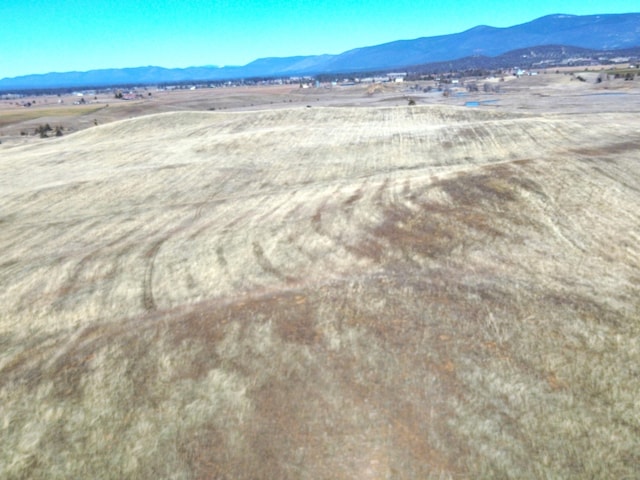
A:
x: 422, y: 292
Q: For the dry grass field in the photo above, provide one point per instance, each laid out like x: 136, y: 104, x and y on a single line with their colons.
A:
x: 433, y: 292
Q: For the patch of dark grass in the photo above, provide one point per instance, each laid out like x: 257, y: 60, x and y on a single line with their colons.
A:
x: 608, y: 149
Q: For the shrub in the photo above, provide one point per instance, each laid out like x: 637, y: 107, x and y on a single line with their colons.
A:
x: 43, y: 130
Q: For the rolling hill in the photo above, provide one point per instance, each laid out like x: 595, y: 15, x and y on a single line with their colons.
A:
x: 414, y: 292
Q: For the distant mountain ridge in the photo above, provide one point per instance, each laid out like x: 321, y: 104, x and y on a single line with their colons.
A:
x: 594, y: 32
x: 543, y: 56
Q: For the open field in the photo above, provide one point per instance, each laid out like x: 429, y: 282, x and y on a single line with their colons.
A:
x: 544, y: 93
x: 18, y: 116
x: 370, y: 291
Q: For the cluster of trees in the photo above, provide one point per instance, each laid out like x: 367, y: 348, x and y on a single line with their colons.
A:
x: 627, y: 75
x: 44, y: 130
x: 486, y: 88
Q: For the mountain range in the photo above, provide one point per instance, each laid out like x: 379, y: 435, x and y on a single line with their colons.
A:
x: 593, y: 32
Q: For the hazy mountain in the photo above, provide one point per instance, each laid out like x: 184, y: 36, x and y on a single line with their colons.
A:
x: 593, y: 31
x: 528, y: 58
x: 596, y: 32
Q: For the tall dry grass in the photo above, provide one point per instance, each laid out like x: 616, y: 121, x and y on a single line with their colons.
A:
x: 325, y: 293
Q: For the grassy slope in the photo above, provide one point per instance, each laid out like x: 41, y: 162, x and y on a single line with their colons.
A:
x: 324, y: 293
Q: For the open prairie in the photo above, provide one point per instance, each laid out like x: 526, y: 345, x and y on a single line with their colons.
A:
x: 372, y: 291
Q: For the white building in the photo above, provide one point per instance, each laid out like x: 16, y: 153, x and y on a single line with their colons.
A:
x: 397, y: 77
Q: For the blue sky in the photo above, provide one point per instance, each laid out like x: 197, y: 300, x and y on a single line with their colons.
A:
x: 41, y: 36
